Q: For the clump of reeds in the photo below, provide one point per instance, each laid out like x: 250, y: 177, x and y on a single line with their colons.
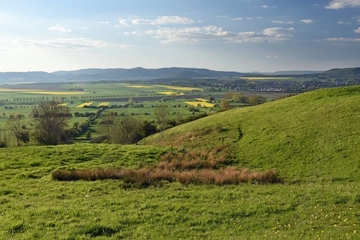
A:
x: 205, y: 167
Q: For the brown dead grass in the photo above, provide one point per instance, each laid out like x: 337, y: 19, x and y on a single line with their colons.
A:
x: 206, y: 167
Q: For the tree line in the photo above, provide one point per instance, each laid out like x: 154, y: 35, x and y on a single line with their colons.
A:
x: 49, y: 123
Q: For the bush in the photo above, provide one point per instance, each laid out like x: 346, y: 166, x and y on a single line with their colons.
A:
x: 3, y: 144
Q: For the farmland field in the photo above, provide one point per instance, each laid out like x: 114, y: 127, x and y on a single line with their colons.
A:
x: 267, y: 78
x: 86, y: 98
x: 200, y: 103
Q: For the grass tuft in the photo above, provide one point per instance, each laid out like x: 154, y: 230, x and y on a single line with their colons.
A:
x: 205, y: 167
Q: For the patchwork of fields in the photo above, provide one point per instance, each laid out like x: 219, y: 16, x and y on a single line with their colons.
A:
x: 88, y: 98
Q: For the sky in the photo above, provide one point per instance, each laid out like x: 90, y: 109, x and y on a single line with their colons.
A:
x: 228, y: 35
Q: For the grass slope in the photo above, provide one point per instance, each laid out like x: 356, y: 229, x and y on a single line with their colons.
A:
x: 309, y: 137
x: 312, y: 139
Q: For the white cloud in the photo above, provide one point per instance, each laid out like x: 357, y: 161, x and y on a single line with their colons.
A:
x: 339, y: 4
x: 162, y: 20
x: 343, y: 22
x: 307, y: 21
x: 357, y: 30
x: 64, y: 44
x: 187, y: 35
x: 237, y: 19
x: 59, y: 28
x: 210, y: 33
x: 124, y: 46
x: 253, y: 18
x: 122, y: 23
x: 282, y: 22
x: 343, y: 39
x: 266, y: 6
x: 272, y: 57
x: 267, y: 35
x: 104, y: 22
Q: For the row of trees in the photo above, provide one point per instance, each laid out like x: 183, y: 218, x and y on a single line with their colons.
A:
x: 50, y: 120
x: 241, y: 98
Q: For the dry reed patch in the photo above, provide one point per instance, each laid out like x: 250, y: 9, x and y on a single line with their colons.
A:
x: 205, y: 167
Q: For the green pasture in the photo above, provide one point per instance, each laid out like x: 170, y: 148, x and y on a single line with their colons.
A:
x: 311, y: 140
x: 33, y: 206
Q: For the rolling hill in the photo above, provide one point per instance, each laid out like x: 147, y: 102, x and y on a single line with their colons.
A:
x: 96, y: 74
x: 311, y: 139
x: 313, y: 136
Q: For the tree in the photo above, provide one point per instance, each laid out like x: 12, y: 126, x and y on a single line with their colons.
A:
x: 121, y: 130
x: 50, y: 121
x: 225, y: 104
x: 131, y: 102
x: 254, y: 100
x: 161, y: 113
x: 128, y: 130
x: 16, y: 126
x: 237, y: 97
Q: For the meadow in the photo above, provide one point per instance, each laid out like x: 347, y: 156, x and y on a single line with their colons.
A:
x: 43, y: 208
x: 33, y: 206
x: 311, y: 140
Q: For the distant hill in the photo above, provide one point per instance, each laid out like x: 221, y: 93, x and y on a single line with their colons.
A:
x: 313, y: 136
x: 94, y: 74
x: 341, y: 73
x: 295, y: 72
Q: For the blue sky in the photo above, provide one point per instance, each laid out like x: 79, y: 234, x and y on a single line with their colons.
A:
x: 236, y: 35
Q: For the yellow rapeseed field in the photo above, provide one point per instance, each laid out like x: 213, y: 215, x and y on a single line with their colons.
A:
x: 85, y: 104
x: 172, y: 93
x: 137, y: 86
x: 201, y: 99
x: 181, y: 88
x: 104, y: 104
x: 62, y: 104
x: 203, y: 104
x: 55, y: 93
x: 38, y: 91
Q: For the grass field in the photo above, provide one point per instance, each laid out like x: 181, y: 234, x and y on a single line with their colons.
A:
x: 312, y: 140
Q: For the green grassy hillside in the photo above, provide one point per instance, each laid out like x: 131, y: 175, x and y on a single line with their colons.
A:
x: 312, y: 140
x: 309, y: 137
